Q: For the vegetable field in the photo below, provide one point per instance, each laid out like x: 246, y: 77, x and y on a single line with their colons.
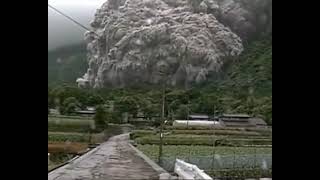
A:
x: 222, y: 152
x: 185, y: 150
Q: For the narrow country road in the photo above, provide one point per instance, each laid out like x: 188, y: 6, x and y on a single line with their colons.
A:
x: 114, y: 159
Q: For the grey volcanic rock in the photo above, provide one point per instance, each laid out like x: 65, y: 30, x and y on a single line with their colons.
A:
x: 136, y: 39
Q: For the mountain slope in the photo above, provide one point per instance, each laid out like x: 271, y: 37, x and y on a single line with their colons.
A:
x: 67, y: 63
x: 252, y: 71
x: 246, y: 84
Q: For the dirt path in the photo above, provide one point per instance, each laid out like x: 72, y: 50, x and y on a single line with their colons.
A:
x: 114, y: 159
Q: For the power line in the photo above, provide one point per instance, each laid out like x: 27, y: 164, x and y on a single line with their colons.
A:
x: 71, y: 19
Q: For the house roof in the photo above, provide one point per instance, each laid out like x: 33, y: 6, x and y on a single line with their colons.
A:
x: 86, y: 112
x: 199, y: 116
x: 236, y: 115
x: 234, y: 120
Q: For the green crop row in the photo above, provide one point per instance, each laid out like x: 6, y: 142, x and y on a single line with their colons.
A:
x: 68, y: 127
x: 68, y: 137
x: 201, y: 140
x: 217, y: 132
x: 267, y: 130
x: 186, y: 150
x: 69, y: 117
x: 64, y: 121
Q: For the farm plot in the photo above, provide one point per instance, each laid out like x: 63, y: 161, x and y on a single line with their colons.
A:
x: 69, y: 124
x: 67, y: 136
x: 217, y: 137
x: 211, y: 158
x: 220, y: 151
x: 69, y: 147
x: 186, y: 150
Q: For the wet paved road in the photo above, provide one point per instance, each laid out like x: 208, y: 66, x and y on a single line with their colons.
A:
x: 114, y: 159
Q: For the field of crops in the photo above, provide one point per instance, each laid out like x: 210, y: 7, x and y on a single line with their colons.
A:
x: 219, y: 137
x: 168, y: 127
x: 69, y: 124
x: 68, y: 147
x: 217, y: 131
x: 63, y: 122
x: 70, y: 117
x: 185, y: 150
x: 240, y: 173
x: 77, y: 129
x: 203, y: 140
x: 212, y: 158
x: 222, y: 132
x: 68, y: 137
x: 231, y: 152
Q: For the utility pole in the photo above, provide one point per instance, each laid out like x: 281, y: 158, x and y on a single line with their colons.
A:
x: 214, y: 113
x: 162, y: 118
x: 188, y: 110
x: 188, y: 115
x: 213, y: 140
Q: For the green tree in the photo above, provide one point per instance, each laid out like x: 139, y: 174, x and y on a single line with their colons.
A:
x: 100, y: 117
x: 69, y: 105
x: 94, y: 100
x: 182, y: 112
x: 128, y: 104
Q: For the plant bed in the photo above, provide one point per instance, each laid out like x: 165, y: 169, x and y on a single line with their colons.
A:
x: 201, y: 140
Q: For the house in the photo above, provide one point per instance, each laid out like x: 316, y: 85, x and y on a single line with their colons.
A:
x: 199, y: 117
x: 195, y: 123
x: 54, y: 112
x: 85, y: 112
x: 89, y: 111
x: 235, y: 120
x: 91, y: 108
x: 241, y: 120
x: 258, y: 122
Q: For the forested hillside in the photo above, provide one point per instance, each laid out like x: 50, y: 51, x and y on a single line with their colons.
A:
x: 244, y: 86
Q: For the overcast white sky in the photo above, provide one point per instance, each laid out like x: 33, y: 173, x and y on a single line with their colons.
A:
x: 62, y: 31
